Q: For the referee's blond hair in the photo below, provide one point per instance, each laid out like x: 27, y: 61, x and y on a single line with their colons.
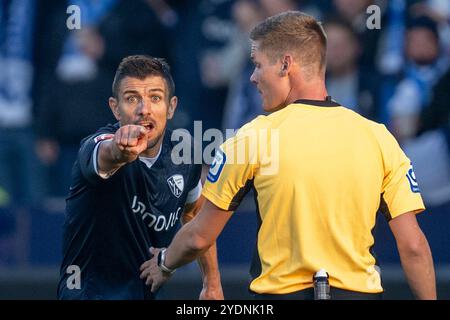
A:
x: 297, y: 33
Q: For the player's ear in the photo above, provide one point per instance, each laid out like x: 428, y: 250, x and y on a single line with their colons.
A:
x: 172, y: 107
x: 114, y: 105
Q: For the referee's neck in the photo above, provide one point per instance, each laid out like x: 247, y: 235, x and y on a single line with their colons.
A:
x: 312, y: 90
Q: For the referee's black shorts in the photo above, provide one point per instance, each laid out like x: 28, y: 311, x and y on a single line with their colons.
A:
x: 308, y: 294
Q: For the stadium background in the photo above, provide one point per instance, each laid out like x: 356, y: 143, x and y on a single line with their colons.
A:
x: 54, y: 85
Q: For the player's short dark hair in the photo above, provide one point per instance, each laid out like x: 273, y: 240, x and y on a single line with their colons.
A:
x: 140, y: 67
x: 296, y: 32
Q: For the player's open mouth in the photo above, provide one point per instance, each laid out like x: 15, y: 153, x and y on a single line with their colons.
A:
x: 148, y: 125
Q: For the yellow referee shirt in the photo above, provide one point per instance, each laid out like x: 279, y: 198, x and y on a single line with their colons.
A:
x: 320, y: 172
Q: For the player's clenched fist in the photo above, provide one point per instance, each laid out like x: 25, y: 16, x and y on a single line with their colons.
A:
x: 129, y: 141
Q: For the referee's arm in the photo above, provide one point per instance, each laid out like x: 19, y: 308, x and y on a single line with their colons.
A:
x: 212, y: 287
x: 415, y: 255
x: 194, y: 239
x: 197, y: 237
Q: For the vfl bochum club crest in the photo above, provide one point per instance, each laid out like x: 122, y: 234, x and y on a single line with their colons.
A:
x: 176, y: 184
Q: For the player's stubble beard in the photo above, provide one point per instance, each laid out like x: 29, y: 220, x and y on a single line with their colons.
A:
x: 153, y: 142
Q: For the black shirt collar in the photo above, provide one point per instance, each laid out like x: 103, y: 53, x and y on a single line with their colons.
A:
x: 328, y: 102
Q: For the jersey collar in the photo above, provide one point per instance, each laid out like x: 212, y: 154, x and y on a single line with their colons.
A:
x: 328, y: 102
x: 149, y: 162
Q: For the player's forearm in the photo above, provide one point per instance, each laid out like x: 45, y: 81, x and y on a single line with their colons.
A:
x: 108, y: 159
x: 419, y: 270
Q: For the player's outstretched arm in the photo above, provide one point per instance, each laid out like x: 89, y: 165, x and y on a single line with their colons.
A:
x: 128, y: 142
x: 212, y: 286
x: 415, y: 255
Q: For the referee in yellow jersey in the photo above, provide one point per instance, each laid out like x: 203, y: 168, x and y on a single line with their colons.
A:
x: 320, y: 173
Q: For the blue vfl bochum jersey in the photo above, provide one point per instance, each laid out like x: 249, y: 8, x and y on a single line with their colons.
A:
x: 111, y: 223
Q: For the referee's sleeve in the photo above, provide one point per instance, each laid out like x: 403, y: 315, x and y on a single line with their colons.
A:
x: 231, y: 174
x: 400, y: 190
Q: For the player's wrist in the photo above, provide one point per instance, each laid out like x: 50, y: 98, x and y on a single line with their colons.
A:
x: 162, y: 262
x: 119, y: 157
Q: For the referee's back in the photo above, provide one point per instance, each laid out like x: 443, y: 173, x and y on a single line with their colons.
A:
x: 335, y: 169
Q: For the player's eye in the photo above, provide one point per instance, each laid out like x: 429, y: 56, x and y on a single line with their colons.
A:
x: 132, y: 99
x: 156, y: 98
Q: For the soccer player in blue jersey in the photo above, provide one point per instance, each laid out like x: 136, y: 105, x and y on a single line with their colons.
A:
x: 127, y: 195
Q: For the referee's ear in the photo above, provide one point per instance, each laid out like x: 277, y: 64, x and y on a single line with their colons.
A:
x: 172, y: 107
x: 114, y: 107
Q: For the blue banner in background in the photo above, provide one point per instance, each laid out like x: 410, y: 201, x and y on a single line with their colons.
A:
x: 16, y: 61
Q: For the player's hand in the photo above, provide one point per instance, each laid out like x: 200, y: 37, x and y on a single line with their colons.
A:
x: 211, y: 293
x: 129, y: 141
x: 152, y: 274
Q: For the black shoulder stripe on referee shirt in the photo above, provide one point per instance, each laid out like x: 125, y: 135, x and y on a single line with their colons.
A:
x: 384, y: 209
x: 240, y: 195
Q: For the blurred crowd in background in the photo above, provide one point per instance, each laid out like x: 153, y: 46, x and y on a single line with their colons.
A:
x: 55, y: 82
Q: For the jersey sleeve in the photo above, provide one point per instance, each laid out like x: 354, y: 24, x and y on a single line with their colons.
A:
x: 231, y: 174
x: 195, y: 184
x: 400, y: 189
x: 87, y: 155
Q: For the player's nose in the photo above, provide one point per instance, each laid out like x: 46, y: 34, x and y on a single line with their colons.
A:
x: 145, y: 107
